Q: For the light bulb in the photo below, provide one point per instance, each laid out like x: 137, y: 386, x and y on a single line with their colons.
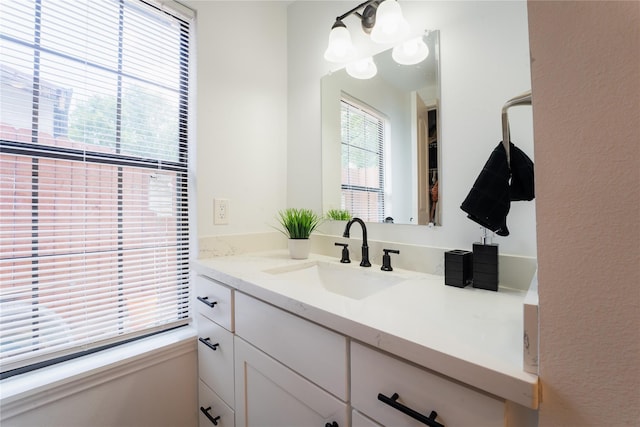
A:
x: 390, y: 25
x: 340, y: 48
x: 410, y: 52
x: 410, y: 47
x: 362, y: 68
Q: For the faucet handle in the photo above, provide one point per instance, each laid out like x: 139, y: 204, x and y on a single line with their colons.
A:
x: 386, y: 259
x: 345, y: 253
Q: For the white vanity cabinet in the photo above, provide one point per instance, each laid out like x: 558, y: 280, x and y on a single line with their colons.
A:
x: 215, y: 322
x: 289, y: 371
x: 275, y: 362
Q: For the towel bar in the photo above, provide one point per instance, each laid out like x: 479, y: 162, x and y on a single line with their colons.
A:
x: 522, y: 99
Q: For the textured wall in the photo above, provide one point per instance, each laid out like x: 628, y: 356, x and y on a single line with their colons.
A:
x: 586, y: 93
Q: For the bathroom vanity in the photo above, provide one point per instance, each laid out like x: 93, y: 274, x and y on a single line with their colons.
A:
x: 287, y: 342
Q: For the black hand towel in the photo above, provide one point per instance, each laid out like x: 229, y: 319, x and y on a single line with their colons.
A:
x: 489, y: 200
x: 522, y: 185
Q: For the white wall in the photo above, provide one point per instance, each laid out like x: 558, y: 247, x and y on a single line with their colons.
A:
x: 484, y: 62
x: 241, y: 113
x: 153, y: 390
x: 586, y: 85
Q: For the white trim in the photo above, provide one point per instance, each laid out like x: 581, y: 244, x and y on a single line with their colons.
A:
x: 40, y: 387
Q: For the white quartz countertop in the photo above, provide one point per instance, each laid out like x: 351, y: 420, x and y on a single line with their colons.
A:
x: 471, y: 335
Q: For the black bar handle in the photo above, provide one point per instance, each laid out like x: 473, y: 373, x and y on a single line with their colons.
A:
x: 393, y: 402
x: 205, y: 300
x: 206, y: 413
x: 207, y: 342
x: 333, y: 424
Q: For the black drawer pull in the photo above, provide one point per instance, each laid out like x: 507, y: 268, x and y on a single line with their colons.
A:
x: 206, y: 413
x: 207, y: 342
x: 393, y: 402
x: 333, y: 424
x: 206, y: 301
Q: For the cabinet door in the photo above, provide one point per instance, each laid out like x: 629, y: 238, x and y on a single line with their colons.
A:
x: 268, y: 394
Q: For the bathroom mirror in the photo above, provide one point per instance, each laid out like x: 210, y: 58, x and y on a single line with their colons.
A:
x: 400, y: 103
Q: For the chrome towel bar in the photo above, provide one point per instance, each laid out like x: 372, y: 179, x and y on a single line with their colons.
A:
x: 522, y: 99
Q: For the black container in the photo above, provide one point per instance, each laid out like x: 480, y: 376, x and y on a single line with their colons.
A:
x: 458, y: 268
x: 485, y: 266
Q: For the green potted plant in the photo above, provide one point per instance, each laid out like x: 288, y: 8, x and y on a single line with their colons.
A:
x: 338, y: 214
x: 297, y: 225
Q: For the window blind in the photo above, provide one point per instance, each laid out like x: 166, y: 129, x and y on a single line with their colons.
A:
x: 362, y: 161
x: 93, y: 167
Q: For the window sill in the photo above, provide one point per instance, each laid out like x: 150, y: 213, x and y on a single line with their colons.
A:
x: 26, y: 391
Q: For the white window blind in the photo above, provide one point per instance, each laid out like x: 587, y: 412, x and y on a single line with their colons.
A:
x: 93, y: 167
x: 362, y: 161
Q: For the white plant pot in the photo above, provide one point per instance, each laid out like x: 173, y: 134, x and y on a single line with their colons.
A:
x: 299, y: 248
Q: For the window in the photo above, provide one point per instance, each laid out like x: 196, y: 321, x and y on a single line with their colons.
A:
x: 362, y: 161
x: 93, y: 168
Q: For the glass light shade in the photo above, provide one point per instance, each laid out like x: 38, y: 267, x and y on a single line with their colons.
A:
x: 362, y: 69
x: 340, y: 48
x: 410, y: 52
x: 390, y: 26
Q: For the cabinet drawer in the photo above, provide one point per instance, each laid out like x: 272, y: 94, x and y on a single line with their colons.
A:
x: 210, y: 403
x: 373, y: 372
x: 314, y: 352
x: 215, y: 367
x: 214, y: 301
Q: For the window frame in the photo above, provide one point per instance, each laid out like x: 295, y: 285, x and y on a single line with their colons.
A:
x: 380, y: 191
x: 36, y: 151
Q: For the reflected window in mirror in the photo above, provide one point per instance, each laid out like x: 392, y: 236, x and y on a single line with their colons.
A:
x: 363, y: 160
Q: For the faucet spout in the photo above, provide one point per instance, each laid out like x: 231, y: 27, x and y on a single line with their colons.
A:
x: 365, y: 246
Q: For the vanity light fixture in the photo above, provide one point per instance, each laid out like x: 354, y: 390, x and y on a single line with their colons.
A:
x: 390, y: 26
x: 362, y: 68
x: 383, y: 20
x: 410, y: 52
x: 340, y: 47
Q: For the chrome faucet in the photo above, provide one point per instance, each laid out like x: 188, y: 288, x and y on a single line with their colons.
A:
x: 365, y: 247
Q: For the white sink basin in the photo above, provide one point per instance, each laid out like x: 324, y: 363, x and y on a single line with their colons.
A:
x: 349, y: 280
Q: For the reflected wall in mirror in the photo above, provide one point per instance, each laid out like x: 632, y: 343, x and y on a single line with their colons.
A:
x: 380, y: 140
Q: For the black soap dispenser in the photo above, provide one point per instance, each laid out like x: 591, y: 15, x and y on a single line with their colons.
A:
x: 485, y: 264
x: 458, y: 268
